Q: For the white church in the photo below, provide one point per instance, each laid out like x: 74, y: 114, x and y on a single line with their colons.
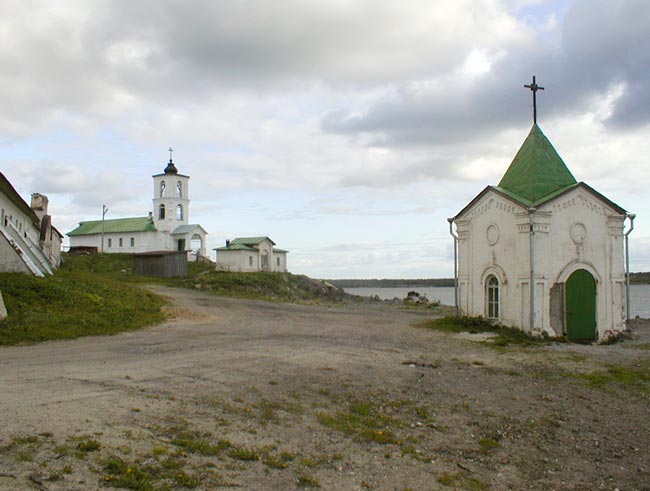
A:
x: 543, y: 252
x: 167, y: 228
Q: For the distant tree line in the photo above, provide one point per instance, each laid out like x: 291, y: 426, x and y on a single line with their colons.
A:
x: 640, y: 278
x: 636, y: 278
x: 391, y: 283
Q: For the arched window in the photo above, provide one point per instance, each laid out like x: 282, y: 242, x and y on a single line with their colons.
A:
x: 161, y: 212
x: 162, y: 189
x: 179, y: 212
x: 179, y: 189
x: 492, y: 297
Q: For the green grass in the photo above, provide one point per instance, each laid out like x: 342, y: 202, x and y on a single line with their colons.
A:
x: 122, y: 474
x: 487, y: 444
x: 306, y: 481
x: 284, y: 287
x: 119, y: 473
x: 88, y: 445
x: 504, y: 336
x: 68, y: 305
x: 460, y: 480
x: 194, y: 443
x: 635, y: 379
x: 362, y: 421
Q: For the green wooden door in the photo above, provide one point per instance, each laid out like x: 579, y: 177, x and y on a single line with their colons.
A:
x: 581, y: 306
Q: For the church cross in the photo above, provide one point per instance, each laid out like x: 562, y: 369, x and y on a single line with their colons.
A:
x: 534, y: 88
x: 171, y: 150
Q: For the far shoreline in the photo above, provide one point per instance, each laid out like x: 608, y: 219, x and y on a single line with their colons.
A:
x: 635, y: 279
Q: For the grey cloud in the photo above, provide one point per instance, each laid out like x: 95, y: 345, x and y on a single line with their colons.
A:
x: 606, y: 43
x: 603, y: 44
x: 104, y: 56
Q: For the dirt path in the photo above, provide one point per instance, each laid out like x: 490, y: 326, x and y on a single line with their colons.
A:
x: 240, y: 394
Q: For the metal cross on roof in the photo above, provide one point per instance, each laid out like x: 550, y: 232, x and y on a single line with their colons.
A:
x: 534, y: 88
x: 171, y: 149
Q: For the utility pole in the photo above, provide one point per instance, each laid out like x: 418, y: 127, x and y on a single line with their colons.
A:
x: 104, y: 211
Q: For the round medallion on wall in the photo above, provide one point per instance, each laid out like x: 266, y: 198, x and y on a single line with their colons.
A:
x: 578, y: 233
x: 492, y: 234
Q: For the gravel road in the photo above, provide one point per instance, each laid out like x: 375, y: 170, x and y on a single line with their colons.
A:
x: 243, y: 394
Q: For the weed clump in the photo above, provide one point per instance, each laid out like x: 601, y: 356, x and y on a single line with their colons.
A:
x: 503, y: 335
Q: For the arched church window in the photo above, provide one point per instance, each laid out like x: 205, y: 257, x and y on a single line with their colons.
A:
x: 161, y: 212
x: 179, y: 212
x: 179, y: 189
x: 162, y: 189
x: 492, y: 296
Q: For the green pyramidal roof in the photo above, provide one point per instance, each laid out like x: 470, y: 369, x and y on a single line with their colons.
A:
x: 537, y: 171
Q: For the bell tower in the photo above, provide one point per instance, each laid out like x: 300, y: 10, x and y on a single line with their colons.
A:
x: 171, y: 198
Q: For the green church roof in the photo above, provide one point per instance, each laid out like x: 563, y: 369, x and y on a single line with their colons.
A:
x: 537, y: 172
x: 250, y: 240
x: 236, y: 247
x: 115, y: 225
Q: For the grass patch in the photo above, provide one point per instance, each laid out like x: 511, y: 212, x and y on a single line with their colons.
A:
x: 122, y: 474
x: 306, y: 481
x: 193, y: 443
x: 243, y: 453
x: 69, y: 305
x: 362, y: 421
x: 88, y: 445
x: 487, y: 444
x: 119, y: 473
x: 633, y: 379
x: 459, y: 479
x: 505, y: 336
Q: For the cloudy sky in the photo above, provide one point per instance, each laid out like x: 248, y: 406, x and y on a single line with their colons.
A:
x: 346, y: 130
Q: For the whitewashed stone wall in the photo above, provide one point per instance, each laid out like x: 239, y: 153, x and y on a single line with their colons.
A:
x: 575, y: 231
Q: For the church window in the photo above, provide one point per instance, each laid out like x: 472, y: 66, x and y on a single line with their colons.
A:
x: 132, y: 241
x: 278, y: 261
x: 179, y: 212
x: 162, y: 189
x: 121, y: 242
x: 179, y: 189
x: 110, y: 242
x: 161, y: 212
x: 492, y: 294
x: 250, y: 260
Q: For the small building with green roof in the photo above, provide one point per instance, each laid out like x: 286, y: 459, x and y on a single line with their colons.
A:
x: 250, y: 254
x: 542, y: 251
x: 166, y: 228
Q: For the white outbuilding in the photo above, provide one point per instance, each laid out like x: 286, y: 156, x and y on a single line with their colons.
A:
x: 543, y: 252
x: 248, y: 254
x: 167, y: 228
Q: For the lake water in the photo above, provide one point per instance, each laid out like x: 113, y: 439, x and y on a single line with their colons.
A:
x: 639, y: 295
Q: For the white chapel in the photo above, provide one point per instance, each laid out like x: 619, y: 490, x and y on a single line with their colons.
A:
x: 166, y: 228
x: 543, y: 252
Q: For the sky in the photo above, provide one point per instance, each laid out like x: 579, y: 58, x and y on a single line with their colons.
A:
x: 345, y: 130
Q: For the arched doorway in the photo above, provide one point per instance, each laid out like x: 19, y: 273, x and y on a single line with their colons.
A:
x: 580, y: 302
x: 196, y: 244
